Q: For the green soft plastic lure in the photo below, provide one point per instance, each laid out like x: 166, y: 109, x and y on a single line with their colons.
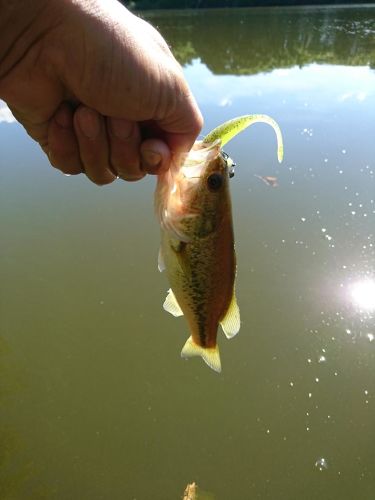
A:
x: 225, y: 132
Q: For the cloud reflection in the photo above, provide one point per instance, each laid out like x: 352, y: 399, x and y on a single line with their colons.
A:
x: 5, y: 113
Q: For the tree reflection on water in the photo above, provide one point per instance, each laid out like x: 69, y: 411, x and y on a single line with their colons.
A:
x: 296, y: 37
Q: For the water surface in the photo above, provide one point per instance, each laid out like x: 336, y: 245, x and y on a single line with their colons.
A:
x: 96, y: 402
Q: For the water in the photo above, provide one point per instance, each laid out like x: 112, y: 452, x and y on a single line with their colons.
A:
x: 96, y: 402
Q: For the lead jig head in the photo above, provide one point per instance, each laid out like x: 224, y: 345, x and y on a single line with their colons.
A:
x: 230, y: 163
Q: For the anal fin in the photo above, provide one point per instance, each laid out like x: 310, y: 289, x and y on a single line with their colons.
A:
x: 231, y: 322
x: 171, y: 305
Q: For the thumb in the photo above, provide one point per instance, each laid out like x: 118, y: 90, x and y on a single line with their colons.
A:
x: 182, y: 127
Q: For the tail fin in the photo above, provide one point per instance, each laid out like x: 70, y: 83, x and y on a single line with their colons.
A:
x: 210, y: 355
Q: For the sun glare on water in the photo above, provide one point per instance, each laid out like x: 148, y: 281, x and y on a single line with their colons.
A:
x: 363, y: 294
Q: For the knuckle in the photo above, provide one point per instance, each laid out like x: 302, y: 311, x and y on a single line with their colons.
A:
x: 198, y: 122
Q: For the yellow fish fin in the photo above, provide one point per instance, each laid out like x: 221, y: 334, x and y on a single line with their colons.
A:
x: 231, y: 321
x: 161, y: 263
x: 210, y: 355
x: 171, y: 305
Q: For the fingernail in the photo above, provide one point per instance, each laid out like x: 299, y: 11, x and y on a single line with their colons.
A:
x: 63, y: 118
x: 89, y: 123
x: 151, y: 158
x: 122, y: 129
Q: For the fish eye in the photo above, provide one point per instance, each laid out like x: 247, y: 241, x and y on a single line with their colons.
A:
x: 214, y: 182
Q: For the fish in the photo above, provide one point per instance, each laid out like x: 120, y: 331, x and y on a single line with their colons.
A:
x: 193, y: 492
x: 268, y: 179
x: 193, y: 207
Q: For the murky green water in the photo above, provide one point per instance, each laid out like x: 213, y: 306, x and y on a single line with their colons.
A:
x: 96, y: 402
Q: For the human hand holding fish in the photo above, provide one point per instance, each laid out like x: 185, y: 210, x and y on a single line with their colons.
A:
x: 192, y: 202
x: 96, y: 86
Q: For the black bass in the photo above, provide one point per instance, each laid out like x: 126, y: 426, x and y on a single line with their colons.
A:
x: 193, y: 205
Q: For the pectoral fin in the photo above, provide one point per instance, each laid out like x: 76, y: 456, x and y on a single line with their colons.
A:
x: 179, y: 248
x: 210, y: 355
x: 171, y: 305
x: 231, y: 321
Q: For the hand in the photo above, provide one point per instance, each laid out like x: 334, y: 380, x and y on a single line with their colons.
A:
x: 99, y: 89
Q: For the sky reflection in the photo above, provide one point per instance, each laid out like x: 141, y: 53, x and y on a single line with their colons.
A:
x: 321, y: 82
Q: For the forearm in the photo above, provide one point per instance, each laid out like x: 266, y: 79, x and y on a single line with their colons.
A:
x: 22, y: 24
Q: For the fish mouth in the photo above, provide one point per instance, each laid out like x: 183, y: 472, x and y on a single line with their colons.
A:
x: 194, y: 163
